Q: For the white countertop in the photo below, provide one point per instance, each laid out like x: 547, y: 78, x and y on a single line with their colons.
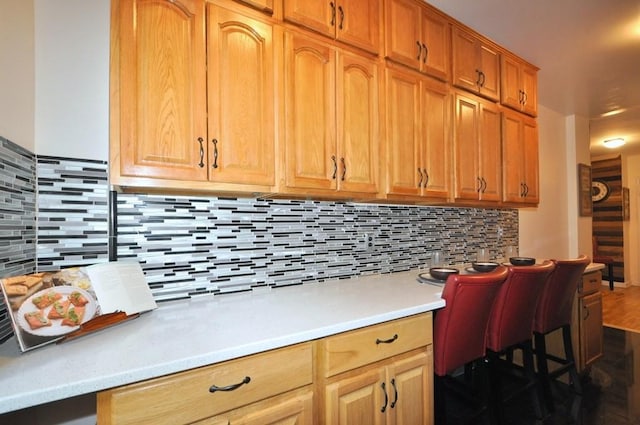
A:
x: 185, y: 334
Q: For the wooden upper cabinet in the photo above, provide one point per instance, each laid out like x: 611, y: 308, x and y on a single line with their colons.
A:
x: 519, y: 158
x: 519, y: 85
x: 418, y: 136
x: 331, y: 114
x: 418, y: 36
x: 189, y: 114
x: 355, y: 22
x: 476, y: 64
x: 158, y: 117
x: 477, y: 154
x: 403, y: 117
x: 241, y: 118
x: 310, y: 109
x: 357, y: 123
x: 436, y: 139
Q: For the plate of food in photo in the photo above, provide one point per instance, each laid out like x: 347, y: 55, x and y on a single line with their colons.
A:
x: 56, y: 311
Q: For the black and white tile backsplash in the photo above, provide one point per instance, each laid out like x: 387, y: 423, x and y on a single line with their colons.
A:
x: 17, y: 217
x: 209, y: 245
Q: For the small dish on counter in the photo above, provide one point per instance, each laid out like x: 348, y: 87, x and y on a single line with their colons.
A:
x: 442, y: 273
x: 522, y: 261
x: 484, y: 266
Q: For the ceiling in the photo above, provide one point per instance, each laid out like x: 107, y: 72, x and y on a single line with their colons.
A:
x: 588, y: 52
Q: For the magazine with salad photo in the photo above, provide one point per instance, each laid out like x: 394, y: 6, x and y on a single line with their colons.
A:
x: 50, y: 306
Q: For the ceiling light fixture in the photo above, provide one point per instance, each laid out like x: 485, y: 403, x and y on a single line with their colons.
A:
x: 614, y: 143
x: 613, y: 112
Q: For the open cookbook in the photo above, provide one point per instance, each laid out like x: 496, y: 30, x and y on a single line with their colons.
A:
x: 50, y: 306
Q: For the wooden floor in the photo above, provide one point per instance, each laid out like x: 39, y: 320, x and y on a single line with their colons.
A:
x: 621, y: 308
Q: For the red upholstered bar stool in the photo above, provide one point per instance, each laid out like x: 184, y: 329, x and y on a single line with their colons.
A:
x: 554, y: 312
x: 460, y: 330
x: 511, y: 327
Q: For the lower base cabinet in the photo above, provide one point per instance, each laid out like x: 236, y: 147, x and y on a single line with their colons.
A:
x: 590, y: 329
x: 398, y: 392
x: 380, y: 374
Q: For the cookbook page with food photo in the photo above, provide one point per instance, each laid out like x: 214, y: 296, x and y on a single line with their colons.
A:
x: 47, y: 306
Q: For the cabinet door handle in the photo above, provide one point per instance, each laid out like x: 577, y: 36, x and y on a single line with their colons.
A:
x: 335, y: 167
x: 526, y: 190
x: 215, y: 153
x: 395, y: 392
x: 426, y: 53
x: 586, y: 312
x: 484, y: 185
x: 478, y: 73
x: 482, y: 79
x: 231, y: 387
x: 344, y: 168
x: 386, y: 341
x: 419, y: 50
x: 421, y: 177
x: 426, y: 178
x: 333, y: 14
x: 201, y: 141
x: 386, y: 397
x: 524, y: 97
x: 341, y: 17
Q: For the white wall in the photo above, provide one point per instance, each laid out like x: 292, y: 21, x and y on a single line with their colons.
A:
x: 544, y: 230
x: 72, y: 78
x: 17, y: 80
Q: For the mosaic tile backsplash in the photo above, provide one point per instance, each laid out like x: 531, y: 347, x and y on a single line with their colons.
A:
x: 17, y: 217
x: 192, y: 246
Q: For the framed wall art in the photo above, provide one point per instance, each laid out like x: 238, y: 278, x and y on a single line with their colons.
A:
x: 585, y: 204
x: 626, y: 213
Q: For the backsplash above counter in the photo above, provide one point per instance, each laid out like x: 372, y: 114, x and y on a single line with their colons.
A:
x: 191, y: 245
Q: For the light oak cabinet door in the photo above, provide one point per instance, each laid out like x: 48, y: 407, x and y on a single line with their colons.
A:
x: 519, y: 85
x: 396, y: 392
x: 477, y: 153
x: 411, y: 400
x: 591, y: 333
x: 519, y: 158
x: 355, y: 22
x: 192, y: 115
x: 418, y: 136
x: 476, y: 64
x: 331, y: 114
x: 240, y: 77
x: 158, y: 118
x: 418, y: 36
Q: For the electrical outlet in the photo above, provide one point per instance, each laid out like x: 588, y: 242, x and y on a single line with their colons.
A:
x: 369, y: 242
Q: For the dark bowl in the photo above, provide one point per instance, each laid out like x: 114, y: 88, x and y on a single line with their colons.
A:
x: 442, y: 273
x: 484, y: 266
x: 522, y: 261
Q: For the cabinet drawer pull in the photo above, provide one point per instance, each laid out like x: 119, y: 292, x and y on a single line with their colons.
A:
x: 386, y: 397
x: 335, y: 167
x: 201, y: 141
x: 333, y: 13
x: 386, y: 341
x: 395, y: 393
x: 231, y: 387
x: 215, y: 153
